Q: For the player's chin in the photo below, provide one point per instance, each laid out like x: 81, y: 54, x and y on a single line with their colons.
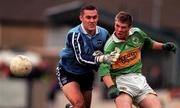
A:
x: 92, y: 28
x: 121, y: 36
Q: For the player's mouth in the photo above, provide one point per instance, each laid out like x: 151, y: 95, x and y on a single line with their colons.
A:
x: 120, y: 35
x: 92, y: 26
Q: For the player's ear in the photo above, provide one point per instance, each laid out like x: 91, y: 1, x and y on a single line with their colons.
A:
x: 80, y: 17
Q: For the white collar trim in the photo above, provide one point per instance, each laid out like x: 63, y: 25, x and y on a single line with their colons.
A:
x: 115, y: 39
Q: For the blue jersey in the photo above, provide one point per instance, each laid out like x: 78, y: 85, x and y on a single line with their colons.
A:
x: 77, y: 56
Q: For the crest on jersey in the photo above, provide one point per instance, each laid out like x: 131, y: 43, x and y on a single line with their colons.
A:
x: 135, y: 39
x: 99, y: 42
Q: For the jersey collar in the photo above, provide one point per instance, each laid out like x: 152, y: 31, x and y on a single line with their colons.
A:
x: 115, y: 39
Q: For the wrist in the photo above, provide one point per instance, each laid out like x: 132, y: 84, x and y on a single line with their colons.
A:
x: 164, y: 47
x: 113, y: 92
x: 112, y: 86
x: 99, y: 59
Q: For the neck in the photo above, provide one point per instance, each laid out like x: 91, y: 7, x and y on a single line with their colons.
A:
x: 122, y: 38
x: 91, y: 33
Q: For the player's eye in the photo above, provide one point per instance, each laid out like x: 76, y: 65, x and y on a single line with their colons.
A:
x: 93, y: 17
x: 88, y: 17
x: 117, y: 25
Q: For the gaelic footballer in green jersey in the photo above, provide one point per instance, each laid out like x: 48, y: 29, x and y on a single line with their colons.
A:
x: 123, y: 78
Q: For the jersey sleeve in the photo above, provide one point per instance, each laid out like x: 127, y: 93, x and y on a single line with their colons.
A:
x: 148, y: 42
x: 104, y: 70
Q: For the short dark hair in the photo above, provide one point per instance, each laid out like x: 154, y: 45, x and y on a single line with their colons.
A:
x: 124, y: 17
x: 87, y: 7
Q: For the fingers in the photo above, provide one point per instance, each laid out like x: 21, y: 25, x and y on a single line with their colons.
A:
x: 117, y: 50
x: 172, y: 47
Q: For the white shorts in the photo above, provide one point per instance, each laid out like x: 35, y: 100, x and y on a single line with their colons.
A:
x: 135, y: 85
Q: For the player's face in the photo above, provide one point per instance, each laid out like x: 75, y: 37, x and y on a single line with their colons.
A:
x: 121, y: 30
x: 89, y: 20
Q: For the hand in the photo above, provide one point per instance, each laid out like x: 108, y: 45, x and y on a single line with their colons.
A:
x: 113, y: 92
x: 109, y: 59
x: 169, y: 46
x: 116, y: 52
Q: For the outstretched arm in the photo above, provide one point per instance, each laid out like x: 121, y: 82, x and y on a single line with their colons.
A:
x: 168, y: 46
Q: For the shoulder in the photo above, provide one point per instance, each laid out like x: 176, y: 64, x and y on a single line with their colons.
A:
x: 134, y: 30
x: 101, y: 29
x: 75, y: 29
x: 73, y: 33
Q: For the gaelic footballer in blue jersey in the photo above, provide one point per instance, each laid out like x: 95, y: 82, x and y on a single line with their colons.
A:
x: 81, y: 57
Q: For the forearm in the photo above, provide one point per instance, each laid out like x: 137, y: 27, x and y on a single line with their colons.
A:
x: 108, y: 81
x: 157, y: 45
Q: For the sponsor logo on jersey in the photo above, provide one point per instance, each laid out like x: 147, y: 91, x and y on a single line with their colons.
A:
x: 127, y: 58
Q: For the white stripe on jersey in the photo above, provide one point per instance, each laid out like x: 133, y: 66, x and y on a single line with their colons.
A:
x: 77, y: 49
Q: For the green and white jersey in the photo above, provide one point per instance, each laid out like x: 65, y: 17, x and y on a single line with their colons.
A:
x: 129, y: 60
